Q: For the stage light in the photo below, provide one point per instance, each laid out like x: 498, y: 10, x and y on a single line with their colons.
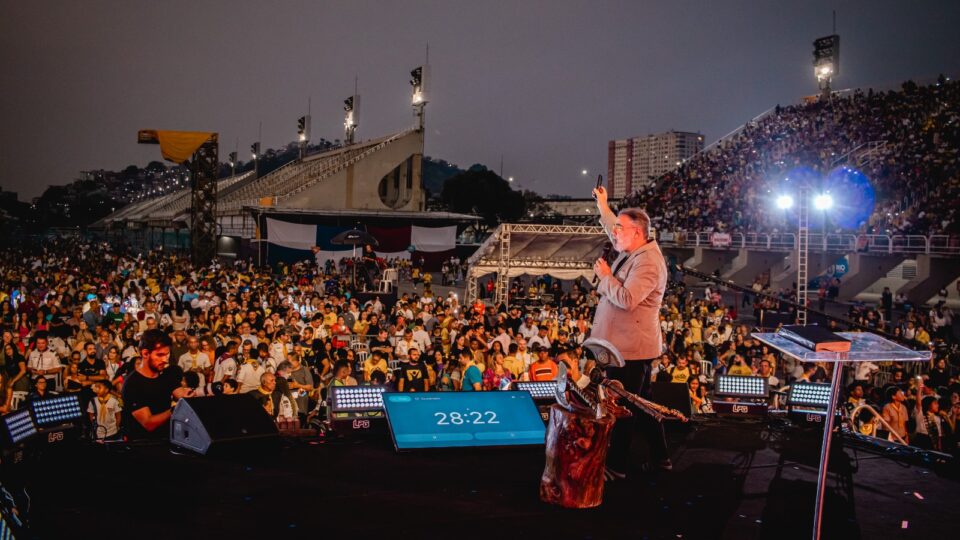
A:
x: 823, y: 201
x: 808, y: 394
x: 739, y: 386
x: 356, y: 398
x: 784, y: 202
x: 510, y: 179
x: 20, y: 425
x: 537, y: 389
x: 56, y: 411
x: 583, y: 172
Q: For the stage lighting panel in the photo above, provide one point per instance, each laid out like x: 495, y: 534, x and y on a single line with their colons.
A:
x: 20, y: 425
x: 538, y: 389
x: 356, y: 398
x: 56, y: 411
x: 808, y: 394
x: 740, y: 386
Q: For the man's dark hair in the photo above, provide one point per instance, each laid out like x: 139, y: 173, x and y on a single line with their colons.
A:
x: 154, y: 339
x: 340, y: 364
x: 284, y: 366
x: 192, y: 379
x: 378, y: 378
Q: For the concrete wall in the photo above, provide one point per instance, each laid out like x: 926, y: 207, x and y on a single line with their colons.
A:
x: 356, y: 187
x: 933, y: 274
x: 707, y: 260
x: 864, y: 270
x: 748, y: 264
x: 816, y: 264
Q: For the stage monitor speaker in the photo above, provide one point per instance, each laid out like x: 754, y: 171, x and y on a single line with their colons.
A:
x: 222, y: 424
x: 672, y: 395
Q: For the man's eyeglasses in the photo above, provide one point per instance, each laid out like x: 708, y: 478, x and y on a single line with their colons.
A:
x: 617, y: 227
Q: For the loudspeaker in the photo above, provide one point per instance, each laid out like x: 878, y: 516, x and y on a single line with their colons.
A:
x: 222, y: 424
x: 672, y: 395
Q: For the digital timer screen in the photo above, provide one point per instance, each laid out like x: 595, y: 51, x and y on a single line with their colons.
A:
x: 458, y: 419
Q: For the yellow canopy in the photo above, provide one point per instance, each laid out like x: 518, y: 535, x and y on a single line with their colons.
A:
x: 176, y: 146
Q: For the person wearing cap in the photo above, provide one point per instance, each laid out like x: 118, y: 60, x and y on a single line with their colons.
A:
x: 627, y: 316
x: 544, y: 368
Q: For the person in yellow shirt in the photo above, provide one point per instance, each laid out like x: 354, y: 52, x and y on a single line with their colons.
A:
x: 696, y: 330
x: 740, y: 367
x: 329, y: 317
x: 375, y: 362
x: 922, y: 336
x: 512, y: 363
x: 681, y: 372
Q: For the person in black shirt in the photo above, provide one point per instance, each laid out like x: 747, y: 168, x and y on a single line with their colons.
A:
x: 413, y: 374
x: 92, y: 369
x: 150, y: 389
x: 382, y: 343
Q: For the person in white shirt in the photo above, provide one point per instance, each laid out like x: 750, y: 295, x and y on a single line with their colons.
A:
x: 540, y: 339
x: 194, y: 359
x: 523, y: 354
x: 279, y: 350
x: 226, y: 365
x: 43, y: 361
x: 246, y: 335
x: 403, y: 347
x: 249, y: 375
x: 421, y: 337
x: 528, y: 329
x: 104, y: 411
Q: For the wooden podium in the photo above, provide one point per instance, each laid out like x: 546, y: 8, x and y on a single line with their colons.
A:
x: 576, y: 453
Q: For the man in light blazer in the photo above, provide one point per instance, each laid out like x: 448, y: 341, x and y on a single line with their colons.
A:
x: 628, y: 317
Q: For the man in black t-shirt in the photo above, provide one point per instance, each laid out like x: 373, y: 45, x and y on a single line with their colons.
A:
x: 149, y: 391
x: 92, y: 368
x: 382, y: 344
x: 413, y: 374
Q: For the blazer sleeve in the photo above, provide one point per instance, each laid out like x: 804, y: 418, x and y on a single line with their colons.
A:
x: 643, y: 278
x: 607, y: 222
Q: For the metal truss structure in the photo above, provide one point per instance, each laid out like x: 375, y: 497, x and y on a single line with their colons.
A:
x: 203, y: 209
x: 494, y: 255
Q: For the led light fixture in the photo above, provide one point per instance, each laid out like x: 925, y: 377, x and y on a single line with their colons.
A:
x: 808, y: 394
x: 356, y: 398
x: 738, y: 386
x: 56, y: 411
x: 537, y: 389
x: 20, y: 425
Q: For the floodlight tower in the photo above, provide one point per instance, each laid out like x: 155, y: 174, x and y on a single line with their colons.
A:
x: 303, y: 134
x: 826, y: 62
x: 419, y: 78
x: 351, y: 118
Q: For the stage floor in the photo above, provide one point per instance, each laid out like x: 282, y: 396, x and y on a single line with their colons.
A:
x: 727, y: 482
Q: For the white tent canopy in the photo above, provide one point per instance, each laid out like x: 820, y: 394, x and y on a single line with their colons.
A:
x: 514, y: 249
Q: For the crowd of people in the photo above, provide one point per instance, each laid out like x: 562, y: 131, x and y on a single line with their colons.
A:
x: 915, y: 173
x: 74, y: 315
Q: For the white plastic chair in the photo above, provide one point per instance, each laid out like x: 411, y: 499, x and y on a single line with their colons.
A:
x: 707, y: 369
x: 17, y: 399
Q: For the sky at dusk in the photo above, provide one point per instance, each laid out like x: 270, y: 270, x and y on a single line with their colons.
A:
x: 544, y: 84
